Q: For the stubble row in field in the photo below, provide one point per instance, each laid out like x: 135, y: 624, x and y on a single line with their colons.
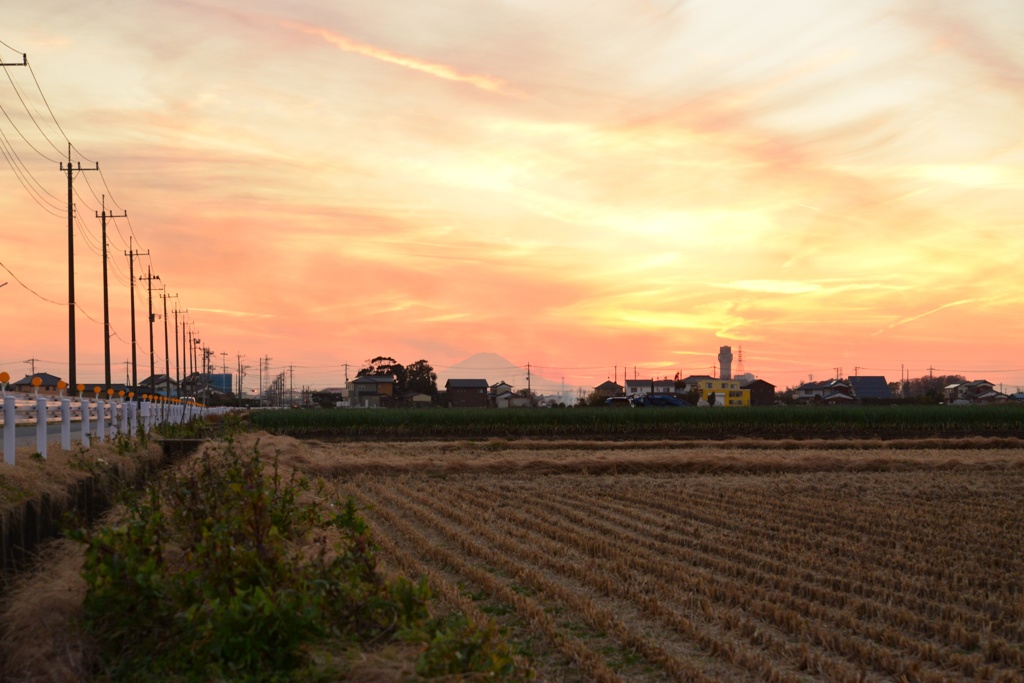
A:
x: 902, y: 567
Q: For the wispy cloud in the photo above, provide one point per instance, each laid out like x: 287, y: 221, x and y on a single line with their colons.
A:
x: 438, y: 70
x: 232, y: 314
x: 912, y: 318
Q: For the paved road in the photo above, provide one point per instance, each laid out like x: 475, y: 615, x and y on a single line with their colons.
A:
x: 26, y: 435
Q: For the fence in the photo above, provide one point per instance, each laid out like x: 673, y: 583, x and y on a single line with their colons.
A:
x: 99, y: 419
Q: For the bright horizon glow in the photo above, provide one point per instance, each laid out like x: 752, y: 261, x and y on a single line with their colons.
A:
x: 594, y: 190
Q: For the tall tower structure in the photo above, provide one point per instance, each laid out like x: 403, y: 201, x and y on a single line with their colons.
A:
x: 725, y: 362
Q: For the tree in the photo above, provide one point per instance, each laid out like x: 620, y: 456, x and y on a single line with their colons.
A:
x: 420, y: 376
x: 385, y: 365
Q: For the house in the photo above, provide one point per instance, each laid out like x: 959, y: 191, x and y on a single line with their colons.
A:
x: 870, y: 387
x: 837, y: 398
x: 762, y: 393
x: 508, y: 399
x: 161, y: 385
x: 608, y: 389
x: 969, y: 392
x: 499, y: 388
x: 371, y: 391
x: 48, y: 384
x: 723, y: 393
x: 692, y: 383
x: 415, y: 399
x: 650, y: 386
x: 467, y: 393
x: 816, y: 391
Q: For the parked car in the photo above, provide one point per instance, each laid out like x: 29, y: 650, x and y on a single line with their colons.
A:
x: 659, y: 401
x: 618, y: 402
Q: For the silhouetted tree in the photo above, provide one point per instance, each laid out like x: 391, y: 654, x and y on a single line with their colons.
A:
x: 420, y: 376
x: 385, y: 365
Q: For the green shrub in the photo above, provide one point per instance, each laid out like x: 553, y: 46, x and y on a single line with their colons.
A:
x: 222, y: 572
x: 455, y: 645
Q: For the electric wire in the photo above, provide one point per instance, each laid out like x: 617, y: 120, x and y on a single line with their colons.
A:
x: 37, y: 294
x: 21, y: 99
x: 27, y: 141
x: 22, y: 173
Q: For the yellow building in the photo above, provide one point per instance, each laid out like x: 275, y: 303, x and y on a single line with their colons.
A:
x: 727, y: 393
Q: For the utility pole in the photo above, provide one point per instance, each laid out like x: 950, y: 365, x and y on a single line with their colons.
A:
x: 291, y: 384
x: 224, y: 369
x: 190, y: 349
x: 152, y: 351
x: 184, y: 349
x: 167, y: 345
x: 266, y: 360
x: 106, y: 298
x: 131, y: 278
x: 177, y: 355
x: 72, y: 374
x: 32, y: 362
x: 529, y: 391
x: 240, y: 357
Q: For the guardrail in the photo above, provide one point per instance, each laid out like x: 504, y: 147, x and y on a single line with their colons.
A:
x: 99, y: 419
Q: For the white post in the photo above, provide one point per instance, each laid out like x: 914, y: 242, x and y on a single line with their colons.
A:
x: 144, y: 416
x: 101, y: 420
x: 83, y: 404
x: 133, y: 417
x: 124, y: 418
x: 65, y: 423
x: 9, y: 430
x: 41, y: 426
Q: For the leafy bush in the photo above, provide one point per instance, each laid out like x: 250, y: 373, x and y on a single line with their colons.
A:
x: 454, y: 645
x: 225, y: 571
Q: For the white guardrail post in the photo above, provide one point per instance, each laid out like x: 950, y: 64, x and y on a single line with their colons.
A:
x: 9, y: 430
x: 41, y: 426
x: 83, y: 405
x: 124, y: 418
x: 133, y: 417
x: 101, y: 420
x: 65, y: 423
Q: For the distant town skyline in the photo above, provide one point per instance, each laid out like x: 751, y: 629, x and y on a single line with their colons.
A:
x: 575, y: 187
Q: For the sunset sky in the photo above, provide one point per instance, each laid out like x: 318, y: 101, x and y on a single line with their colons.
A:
x: 581, y: 186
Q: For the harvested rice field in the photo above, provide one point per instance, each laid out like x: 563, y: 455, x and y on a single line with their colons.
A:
x: 651, y: 562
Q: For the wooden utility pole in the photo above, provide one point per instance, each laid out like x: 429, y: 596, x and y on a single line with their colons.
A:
x: 70, y: 169
x: 106, y: 296
x: 167, y: 345
x: 152, y: 351
x: 131, y: 278
x: 177, y: 353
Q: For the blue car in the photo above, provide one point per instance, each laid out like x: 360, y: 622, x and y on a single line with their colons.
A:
x: 659, y: 401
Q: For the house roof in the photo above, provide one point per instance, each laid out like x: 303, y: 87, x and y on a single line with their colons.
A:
x: 159, y: 379
x: 47, y: 379
x: 750, y: 383
x: 466, y: 384
x: 837, y: 396
x: 608, y: 384
x: 374, y: 379
x: 650, y: 382
x: 870, y: 386
x: 696, y: 378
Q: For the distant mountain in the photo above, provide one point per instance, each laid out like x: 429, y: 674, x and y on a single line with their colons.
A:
x: 495, y: 368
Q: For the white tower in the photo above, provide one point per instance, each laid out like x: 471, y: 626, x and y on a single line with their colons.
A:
x: 725, y: 362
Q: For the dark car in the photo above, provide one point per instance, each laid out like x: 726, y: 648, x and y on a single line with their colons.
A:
x: 659, y: 401
x: 618, y: 402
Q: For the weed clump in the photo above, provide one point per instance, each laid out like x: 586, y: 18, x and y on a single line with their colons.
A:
x: 228, y: 569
